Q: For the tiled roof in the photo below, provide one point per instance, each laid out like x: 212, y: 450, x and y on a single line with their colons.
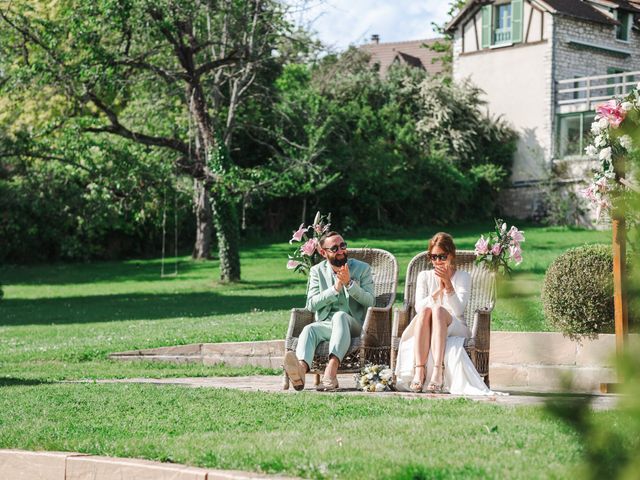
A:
x: 411, y: 52
x: 580, y: 9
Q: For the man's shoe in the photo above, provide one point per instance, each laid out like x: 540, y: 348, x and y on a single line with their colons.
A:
x: 328, y: 384
x: 294, y: 370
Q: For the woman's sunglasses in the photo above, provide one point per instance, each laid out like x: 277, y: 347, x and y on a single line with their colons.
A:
x: 336, y: 248
x: 441, y: 257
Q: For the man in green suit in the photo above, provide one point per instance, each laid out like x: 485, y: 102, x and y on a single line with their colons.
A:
x: 340, y: 291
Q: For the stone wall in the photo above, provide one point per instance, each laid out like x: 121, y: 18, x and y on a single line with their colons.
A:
x: 571, y: 61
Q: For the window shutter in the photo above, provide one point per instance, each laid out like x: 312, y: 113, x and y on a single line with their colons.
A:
x: 486, y: 26
x: 517, y: 12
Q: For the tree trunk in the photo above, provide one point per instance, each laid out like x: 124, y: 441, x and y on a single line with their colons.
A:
x: 225, y: 219
x: 202, y: 247
x: 304, y: 210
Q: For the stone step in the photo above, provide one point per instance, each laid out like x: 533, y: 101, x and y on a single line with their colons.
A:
x: 532, y: 360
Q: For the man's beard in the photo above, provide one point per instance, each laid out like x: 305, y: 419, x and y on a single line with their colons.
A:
x: 338, y: 262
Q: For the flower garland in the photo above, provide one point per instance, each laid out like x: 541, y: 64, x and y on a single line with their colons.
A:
x: 613, y: 122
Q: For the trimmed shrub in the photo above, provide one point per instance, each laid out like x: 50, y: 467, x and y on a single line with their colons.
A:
x: 577, y: 293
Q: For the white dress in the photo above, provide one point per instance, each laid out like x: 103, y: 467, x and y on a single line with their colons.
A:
x: 460, y: 375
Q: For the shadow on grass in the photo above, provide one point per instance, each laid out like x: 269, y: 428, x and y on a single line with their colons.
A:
x: 13, y: 382
x: 103, y: 272
x: 108, y: 308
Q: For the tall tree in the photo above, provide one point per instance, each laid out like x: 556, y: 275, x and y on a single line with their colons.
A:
x: 169, y: 74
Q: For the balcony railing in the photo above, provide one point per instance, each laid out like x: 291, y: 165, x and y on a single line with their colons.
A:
x: 501, y: 35
x: 582, y: 94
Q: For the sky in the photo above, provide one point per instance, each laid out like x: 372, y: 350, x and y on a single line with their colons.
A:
x: 340, y: 23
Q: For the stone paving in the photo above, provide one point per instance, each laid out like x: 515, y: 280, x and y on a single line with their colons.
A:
x: 273, y: 384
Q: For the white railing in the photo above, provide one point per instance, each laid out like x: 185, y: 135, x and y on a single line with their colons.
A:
x: 583, y: 93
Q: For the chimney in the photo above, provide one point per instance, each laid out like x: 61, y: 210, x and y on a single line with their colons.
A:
x: 375, y: 38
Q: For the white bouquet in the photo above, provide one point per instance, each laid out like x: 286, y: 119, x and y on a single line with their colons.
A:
x: 374, y: 378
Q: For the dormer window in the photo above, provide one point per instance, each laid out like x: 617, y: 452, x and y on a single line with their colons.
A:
x: 502, y: 23
x: 623, y: 30
x: 502, y: 26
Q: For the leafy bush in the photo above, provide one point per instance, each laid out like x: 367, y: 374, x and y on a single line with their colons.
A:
x: 577, y: 294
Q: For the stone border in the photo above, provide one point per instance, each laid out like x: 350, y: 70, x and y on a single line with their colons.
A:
x: 537, y: 361
x: 27, y: 465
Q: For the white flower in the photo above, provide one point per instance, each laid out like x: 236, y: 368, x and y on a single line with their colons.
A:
x: 600, y: 141
x: 626, y: 106
x: 380, y: 387
x: 595, y: 128
x: 591, y: 150
x: 605, y: 154
x: 625, y: 141
x: 603, y: 123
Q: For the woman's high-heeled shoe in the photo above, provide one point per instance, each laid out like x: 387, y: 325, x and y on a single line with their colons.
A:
x: 416, y: 387
x: 434, y: 387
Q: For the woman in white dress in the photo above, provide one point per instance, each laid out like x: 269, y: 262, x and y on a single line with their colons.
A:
x: 433, y: 343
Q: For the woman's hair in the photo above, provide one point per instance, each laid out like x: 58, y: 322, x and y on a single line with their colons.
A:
x: 444, y: 241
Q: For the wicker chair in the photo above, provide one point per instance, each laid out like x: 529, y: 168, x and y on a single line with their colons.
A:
x: 477, y: 313
x: 374, y: 343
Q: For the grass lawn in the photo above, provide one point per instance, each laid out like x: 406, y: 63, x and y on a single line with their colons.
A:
x: 60, y: 321
x: 314, y: 436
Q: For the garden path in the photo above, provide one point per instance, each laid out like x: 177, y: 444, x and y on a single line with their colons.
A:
x: 273, y: 384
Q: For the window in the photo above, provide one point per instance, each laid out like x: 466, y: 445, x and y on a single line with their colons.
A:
x: 622, y: 30
x: 502, y: 26
x: 574, y: 132
x: 502, y: 23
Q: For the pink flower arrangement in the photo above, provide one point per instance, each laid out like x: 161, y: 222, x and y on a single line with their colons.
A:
x: 612, y: 111
x: 306, y: 255
x: 505, y: 248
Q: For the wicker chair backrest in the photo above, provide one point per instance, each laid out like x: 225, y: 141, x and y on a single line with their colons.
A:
x: 384, y: 269
x: 482, y: 283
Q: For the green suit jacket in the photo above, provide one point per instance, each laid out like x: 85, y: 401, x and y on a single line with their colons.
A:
x: 355, y: 300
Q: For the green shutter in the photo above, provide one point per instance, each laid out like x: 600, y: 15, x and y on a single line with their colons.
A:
x: 517, y: 12
x: 486, y: 26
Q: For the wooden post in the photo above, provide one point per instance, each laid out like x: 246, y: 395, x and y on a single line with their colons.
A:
x: 621, y: 311
x: 620, y: 266
x: 619, y: 283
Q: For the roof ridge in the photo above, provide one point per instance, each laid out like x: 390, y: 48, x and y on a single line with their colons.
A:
x: 404, y: 41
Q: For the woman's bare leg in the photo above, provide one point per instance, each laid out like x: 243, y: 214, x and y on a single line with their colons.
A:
x: 422, y: 335
x: 441, y: 321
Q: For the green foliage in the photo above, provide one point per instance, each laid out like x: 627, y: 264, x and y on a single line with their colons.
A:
x: 577, y: 294
x: 406, y: 149
x: 610, y: 444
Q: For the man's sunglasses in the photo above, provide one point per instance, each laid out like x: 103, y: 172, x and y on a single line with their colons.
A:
x: 336, y: 248
x: 441, y: 257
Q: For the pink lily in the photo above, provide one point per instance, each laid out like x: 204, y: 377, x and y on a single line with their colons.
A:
x: 516, y: 235
x: 309, y: 247
x: 482, y: 246
x: 516, y: 254
x: 291, y: 264
x: 297, y: 235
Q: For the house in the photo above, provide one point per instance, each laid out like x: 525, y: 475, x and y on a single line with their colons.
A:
x: 415, y: 53
x: 544, y: 65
